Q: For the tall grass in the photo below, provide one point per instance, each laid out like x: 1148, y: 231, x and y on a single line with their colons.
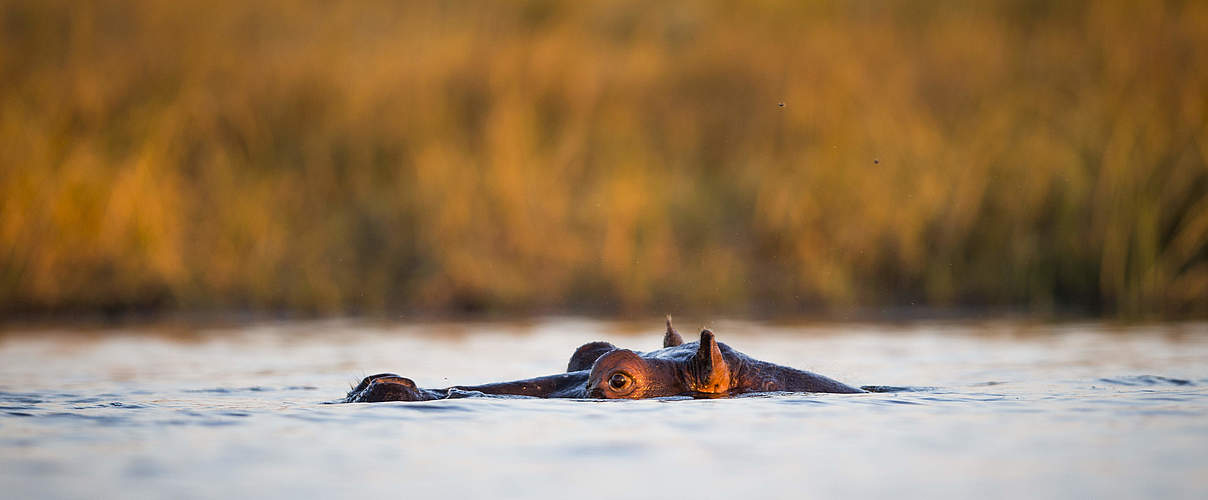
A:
x: 378, y: 156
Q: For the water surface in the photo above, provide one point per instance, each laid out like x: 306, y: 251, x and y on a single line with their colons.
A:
x: 1000, y: 410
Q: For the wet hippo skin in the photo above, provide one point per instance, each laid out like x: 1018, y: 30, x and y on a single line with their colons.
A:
x: 600, y: 370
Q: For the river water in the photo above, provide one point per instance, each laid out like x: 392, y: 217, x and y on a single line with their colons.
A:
x: 998, y: 410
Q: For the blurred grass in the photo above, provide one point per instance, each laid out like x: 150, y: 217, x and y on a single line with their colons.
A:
x: 621, y: 156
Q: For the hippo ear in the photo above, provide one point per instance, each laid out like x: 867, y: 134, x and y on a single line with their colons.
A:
x: 708, y: 367
x: 672, y: 338
x: 587, y: 354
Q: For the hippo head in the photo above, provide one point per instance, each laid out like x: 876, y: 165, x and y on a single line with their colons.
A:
x: 680, y: 369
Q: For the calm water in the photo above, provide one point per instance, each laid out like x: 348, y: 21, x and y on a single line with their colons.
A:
x: 1005, y: 411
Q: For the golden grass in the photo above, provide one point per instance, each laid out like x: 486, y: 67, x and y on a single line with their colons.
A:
x: 372, y: 156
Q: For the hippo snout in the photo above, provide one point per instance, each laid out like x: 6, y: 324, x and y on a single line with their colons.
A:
x: 385, y: 387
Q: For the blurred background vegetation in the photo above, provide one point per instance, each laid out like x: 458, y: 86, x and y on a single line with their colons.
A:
x: 623, y: 157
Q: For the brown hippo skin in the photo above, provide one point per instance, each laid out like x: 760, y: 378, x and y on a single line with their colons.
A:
x: 599, y: 370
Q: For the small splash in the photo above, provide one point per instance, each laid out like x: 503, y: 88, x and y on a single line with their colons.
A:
x: 461, y: 394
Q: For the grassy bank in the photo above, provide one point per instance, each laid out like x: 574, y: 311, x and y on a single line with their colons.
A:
x: 371, y: 156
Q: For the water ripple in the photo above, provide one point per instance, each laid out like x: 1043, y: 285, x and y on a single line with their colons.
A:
x: 894, y: 388
x: 1140, y: 380
x: 1028, y: 409
x: 232, y: 390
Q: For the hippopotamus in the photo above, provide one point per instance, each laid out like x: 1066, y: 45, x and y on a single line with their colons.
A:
x: 599, y: 370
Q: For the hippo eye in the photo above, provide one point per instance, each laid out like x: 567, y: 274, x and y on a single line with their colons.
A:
x: 618, y: 381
